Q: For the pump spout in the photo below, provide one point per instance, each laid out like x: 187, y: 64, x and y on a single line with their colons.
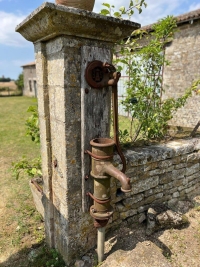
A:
x: 114, y: 172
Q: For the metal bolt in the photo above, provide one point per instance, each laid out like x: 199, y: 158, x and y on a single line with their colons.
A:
x: 86, y: 90
x: 86, y: 177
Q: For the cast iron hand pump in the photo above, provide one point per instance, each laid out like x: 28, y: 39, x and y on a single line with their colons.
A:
x: 99, y: 75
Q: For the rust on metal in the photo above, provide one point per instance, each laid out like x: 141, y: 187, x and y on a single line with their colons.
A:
x: 99, y: 75
x: 97, y: 200
x: 102, y: 170
x: 36, y: 185
x: 99, y: 157
x: 104, y: 215
x: 100, y: 223
x: 102, y: 142
x: 86, y: 177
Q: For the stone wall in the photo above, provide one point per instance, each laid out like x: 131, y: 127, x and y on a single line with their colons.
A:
x: 184, y: 57
x: 159, y: 174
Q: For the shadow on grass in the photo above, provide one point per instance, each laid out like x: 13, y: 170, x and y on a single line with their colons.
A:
x: 39, y: 255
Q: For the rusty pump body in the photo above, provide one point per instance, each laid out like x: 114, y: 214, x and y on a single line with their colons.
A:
x: 99, y: 75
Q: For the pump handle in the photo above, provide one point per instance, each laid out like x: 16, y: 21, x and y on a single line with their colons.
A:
x: 99, y: 75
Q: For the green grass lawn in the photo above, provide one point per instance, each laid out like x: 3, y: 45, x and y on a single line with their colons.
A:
x: 22, y: 229
x: 22, y: 242
x: 21, y: 226
x: 13, y: 139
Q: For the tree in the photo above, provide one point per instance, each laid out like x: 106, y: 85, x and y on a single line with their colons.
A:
x: 20, y: 82
x: 3, y: 79
x: 144, y: 62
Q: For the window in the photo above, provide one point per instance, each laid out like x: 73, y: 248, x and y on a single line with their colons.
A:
x: 30, y: 86
x: 35, y: 87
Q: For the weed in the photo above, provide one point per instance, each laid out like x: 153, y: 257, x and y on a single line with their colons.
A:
x: 197, y: 208
x: 39, y: 234
x: 168, y: 256
x: 48, y: 258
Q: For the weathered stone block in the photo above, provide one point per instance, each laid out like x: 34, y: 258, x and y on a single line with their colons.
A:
x: 150, y: 199
x: 165, y: 164
x: 190, y: 189
x: 193, y: 176
x: 129, y: 213
x: 193, y: 157
x: 177, y: 183
x: 129, y: 202
x: 150, y: 166
x: 176, y: 194
x: 143, y: 208
x: 159, y: 196
x: 192, y: 168
x: 180, y: 166
x: 165, y: 178
x: 178, y: 174
x: 154, y: 190
x: 119, y: 207
x: 144, y: 185
x: 176, y: 160
x: 168, y: 186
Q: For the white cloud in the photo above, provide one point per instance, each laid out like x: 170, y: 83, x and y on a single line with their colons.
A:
x: 155, y: 9
x: 194, y: 6
x: 8, y: 36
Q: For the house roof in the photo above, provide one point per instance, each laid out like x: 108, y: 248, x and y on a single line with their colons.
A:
x: 193, y: 15
x: 29, y: 64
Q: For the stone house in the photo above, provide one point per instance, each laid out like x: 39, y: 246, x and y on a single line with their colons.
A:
x: 30, y: 81
x: 183, y: 54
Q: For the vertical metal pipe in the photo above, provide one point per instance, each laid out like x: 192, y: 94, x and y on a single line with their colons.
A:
x: 100, y: 243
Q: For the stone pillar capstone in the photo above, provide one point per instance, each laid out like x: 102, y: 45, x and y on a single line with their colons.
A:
x: 71, y: 113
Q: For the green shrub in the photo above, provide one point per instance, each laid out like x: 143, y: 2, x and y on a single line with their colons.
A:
x: 144, y: 65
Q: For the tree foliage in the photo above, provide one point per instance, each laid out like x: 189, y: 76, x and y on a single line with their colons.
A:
x: 3, y: 79
x: 20, y: 82
x: 144, y: 63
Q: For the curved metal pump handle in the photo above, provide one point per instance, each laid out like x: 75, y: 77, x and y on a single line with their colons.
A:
x: 99, y: 75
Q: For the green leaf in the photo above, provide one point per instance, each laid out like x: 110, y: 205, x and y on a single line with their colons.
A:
x: 105, y: 12
x: 106, y: 4
x: 117, y: 14
x: 34, y: 171
x: 122, y: 9
x: 131, y: 3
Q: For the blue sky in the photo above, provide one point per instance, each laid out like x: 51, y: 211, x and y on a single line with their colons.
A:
x: 16, y: 51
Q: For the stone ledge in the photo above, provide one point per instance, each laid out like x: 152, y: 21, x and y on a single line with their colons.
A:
x: 51, y: 20
x: 143, y: 155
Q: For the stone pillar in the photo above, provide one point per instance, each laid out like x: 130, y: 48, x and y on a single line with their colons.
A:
x: 70, y: 113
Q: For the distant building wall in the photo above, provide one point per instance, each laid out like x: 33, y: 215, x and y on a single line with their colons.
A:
x: 30, y: 81
x: 184, y: 56
x: 183, y: 53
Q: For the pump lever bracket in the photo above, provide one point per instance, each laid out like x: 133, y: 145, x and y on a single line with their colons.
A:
x: 99, y: 74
